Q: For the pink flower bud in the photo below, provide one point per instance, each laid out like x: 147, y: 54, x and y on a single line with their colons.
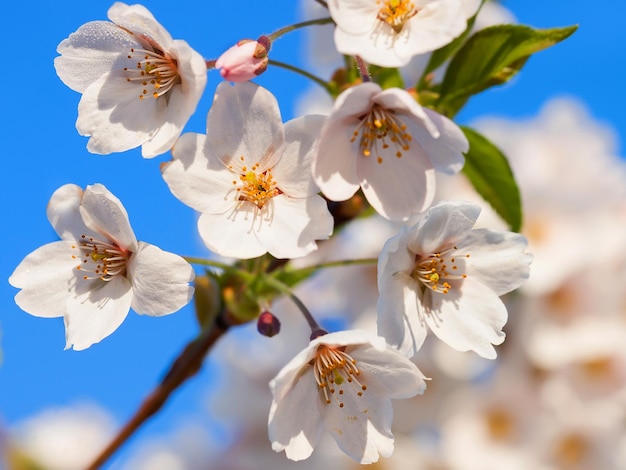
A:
x: 267, y: 324
x: 244, y: 61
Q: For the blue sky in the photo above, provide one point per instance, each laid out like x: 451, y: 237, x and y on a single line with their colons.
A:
x: 42, y: 151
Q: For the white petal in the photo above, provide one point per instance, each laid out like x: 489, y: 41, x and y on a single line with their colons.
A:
x: 191, y: 179
x: 160, y: 281
x: 139, y: 20
x: 182, y: 100
x: 232, y: 234
x: 293, y: 170
x: 446, y: 151
x: 498, y: 258
x: 64, y: 215
x: 335, y: 162
x: 97, y: 312
x: 375, y: 46
x: 334, y: 166
x: 112, y: 113
x: 105, y: 214
x: 46, y: 277
x: 354, y: 16
x: 245, y: 121
x: 295, y: 225
x: 398, y: 187
x: 399, y: 319
x: 444, y: 224
x: 294, y: 423
x: 470, y: 318
x: 435, y: 26
x: 362, y: 428
x: 94, y: 49
x: 388, y: 373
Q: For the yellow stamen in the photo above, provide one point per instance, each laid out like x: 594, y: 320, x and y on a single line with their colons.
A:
x: 379, y: 130
x: 333, y: 367
x: 396, y: 13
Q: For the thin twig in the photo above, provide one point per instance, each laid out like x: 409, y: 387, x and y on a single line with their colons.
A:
x: 185, y: 366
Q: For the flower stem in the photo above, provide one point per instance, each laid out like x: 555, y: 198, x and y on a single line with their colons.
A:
x: 363, y: 70
x: 223, y: 266
x: 309, y: 270
x: 186, y: 365
x: 304, y: 73
x: 279, y: 286
x: 293, y: 27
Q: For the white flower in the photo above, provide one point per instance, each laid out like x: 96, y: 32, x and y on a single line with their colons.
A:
x: 389, y: 32
x: 443, y: 275
x: 98, y: 271
x: 342, y: 383
x: 250, y: 177
x: 386, y: 143
x: 139, y: 85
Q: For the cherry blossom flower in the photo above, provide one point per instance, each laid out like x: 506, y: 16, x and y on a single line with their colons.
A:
x: 386, y: 143
x: 98, y: 270
x: 342, y: 383
x: 139, y: 85
x: 250, y: 177
x: 389, y: 32
x: 443, y: 275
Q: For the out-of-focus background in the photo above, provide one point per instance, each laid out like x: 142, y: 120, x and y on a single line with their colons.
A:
x: 554, y: 399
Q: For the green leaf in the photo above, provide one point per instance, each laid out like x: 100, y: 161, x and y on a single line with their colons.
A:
x: 386, y: 78
x: 292, y: 277
x: 491, y: 57
x: 442, y: 54
x: 489, y: 172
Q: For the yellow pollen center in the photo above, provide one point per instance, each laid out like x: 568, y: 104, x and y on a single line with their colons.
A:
x: 99, y: 259
x: 379, y: 131
x: 255, y: 186
x: 153, y: 69
x: 435, y: 270
x: 333, y: 368
x: 396, y: 13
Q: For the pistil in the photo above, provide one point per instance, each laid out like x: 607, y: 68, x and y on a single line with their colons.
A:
x: 332, y: 368
x: 379, y: 130
x: 435, y: 270
x: 396, y: 13
x: 154, y: 69
x: 100, y: 259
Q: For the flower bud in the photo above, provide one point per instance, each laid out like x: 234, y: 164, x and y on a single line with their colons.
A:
x: 267, y: 324
x: 245, y: 60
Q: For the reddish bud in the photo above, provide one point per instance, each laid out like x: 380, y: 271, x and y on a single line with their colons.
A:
x: 267, y: 324
x: 245, y: 60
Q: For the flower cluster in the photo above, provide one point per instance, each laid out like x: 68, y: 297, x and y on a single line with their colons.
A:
x: 269, y: 192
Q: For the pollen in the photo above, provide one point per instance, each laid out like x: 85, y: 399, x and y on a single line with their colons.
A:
x: 153, y: 70
x: 439, y: 270
x: 336, y: 371
x: 380, y: 130
x: 100, y: 259
x: 255, y: 186
x: 396, y: 13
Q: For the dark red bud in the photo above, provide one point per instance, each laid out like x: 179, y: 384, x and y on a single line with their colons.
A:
x: 267, y: 324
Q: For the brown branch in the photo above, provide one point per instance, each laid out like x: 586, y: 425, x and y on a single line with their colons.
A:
x: 185, y: 366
